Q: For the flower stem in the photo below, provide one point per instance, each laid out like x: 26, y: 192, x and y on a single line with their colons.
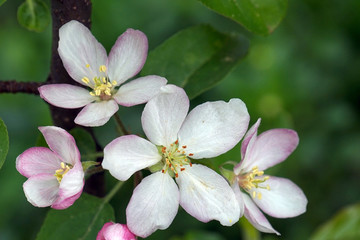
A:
x: 120, y: 126
x: 113, y: 191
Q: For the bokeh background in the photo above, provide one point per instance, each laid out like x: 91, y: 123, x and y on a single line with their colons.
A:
x: 304, y: 76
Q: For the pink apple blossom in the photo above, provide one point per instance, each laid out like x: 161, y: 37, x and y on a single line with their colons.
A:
x: 277, y: 197
x: 86, y: 61
x: 175, y: 138
x: 115, y: 231
x: 55, y: 175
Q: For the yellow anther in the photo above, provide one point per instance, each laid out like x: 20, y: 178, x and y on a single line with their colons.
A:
x: 85, y: 80
x: 259, y: 195
x: 87, y: 65
x: 253, y: 194
x: 62, y: 164
x: 59, y: 173
x: 102, y: 68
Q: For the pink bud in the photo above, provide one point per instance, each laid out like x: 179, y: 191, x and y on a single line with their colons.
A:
x: 115, y: 231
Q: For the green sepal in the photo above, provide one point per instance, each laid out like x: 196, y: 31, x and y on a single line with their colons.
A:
x: 228, y: 174
x: 88, y: 164
x: 157, y: 167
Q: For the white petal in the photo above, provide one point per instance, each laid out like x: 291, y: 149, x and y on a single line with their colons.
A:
x: 77, y: 48
x: 127, y: 56
x: 284, y: 199
x: 255, y: 216
x: 206, y: 195
x: 118, y: 232
x: 270, y: 148
x: 96, y: 114
x: 70, y: 188
x: 127, y: 154
x: 65, y: 95
x: 153, y: 205
x: 37, y: 160
x: 41, y: 190
x: 235, y: 187
x: 163, y: 115
x: 62, y: 143
x: 139, y: 91
x: 214, y: 128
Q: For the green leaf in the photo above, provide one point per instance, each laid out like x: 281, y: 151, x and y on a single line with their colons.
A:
x: 2, y: 2
x: 258, y: 16
x: 85, y: 143
x: 196, y: 58
x: 34, y: 15
x: 81, y: 221
x: 199, y: 235
x: 88, y: 164
x: 4, y: 142
x: 344, y: 225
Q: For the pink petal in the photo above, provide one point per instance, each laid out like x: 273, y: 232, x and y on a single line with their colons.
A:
x: 65, y: 95
x: 284, y: 199
x: 270, y: 148
x: 62, y: 143
x: 115, y: 231
x: 207, y: 196
x: 128, y: 154
x: 37, y: 160
x: 127, y: 56
x: 163, y: 115
x: 41, y: 190
x: 96, y: 114
x: 153, y: 205
x: 139, y: 91
x: 77, y: 48
x: 70, y: 188
x: 255, y: 217
x: 214, y: 128
x: 247, y: 143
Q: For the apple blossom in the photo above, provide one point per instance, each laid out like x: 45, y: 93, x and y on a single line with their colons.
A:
x: 86, y: 61
x: 175, y: 138
x: 55, y: 175
x: 115, y: 231
x: 278, y: 197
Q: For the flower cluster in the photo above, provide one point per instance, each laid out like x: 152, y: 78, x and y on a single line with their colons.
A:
x: 176, y: 143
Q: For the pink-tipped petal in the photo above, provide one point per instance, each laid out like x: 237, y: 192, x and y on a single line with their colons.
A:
x: 127, y: 56
x: 96, y: 114
x: 270, y: 148
x: 164, y: 114
x: 153, y: 205
x: 247, y: 143
x: 235, y: 187
x: 139, y: 91
x: 65, y: 95
x: 37, y: 160
x: 255, y: 216
x: 70, y: 188
x: 284, y: 199
x: 128, y: 154
x: 115, y: 231
x: 41, y: 190
x: 62, y: 143
x: 80, y: 52
x: 207, y: 196
x: 214, y: 128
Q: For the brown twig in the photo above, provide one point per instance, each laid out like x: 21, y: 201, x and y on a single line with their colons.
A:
x: 12, y: 86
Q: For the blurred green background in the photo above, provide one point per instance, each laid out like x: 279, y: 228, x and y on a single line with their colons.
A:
x: 304, y: 76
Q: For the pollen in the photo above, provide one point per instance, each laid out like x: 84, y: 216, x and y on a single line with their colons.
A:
x: 253, y: 180
x: 87, y: 65
x: 64, y: 168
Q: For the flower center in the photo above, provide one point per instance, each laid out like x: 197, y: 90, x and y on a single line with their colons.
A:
x: 102, y: 86
x: 174, y: 158
x: 251, y: 181
x: 64, y: 168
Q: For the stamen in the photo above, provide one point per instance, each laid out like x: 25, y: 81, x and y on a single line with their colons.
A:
x: 102, y: 68
x: 191, y: 154
x: 85, y: 80
x: 87, y: 65
x: 184, y: 146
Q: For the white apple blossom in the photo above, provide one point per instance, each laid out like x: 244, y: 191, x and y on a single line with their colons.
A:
x: 55, y: 175
x: 175, y: 138
x: 86, y: 61
x: 278, y: 197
